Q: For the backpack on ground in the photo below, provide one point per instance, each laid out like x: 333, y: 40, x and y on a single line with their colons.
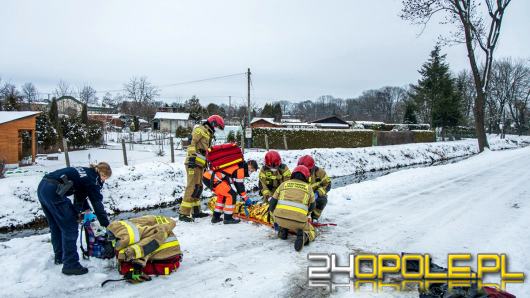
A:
x: 97, y: 246
x: 223, y: 156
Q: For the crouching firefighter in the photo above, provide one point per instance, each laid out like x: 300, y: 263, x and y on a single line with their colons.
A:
x: 290, y: 206
x: 62, y: 215
x: 320, y: 182
x: 272, y: 174
x: 202, y: 135
x: 145, y: 246
x: 221, y: 181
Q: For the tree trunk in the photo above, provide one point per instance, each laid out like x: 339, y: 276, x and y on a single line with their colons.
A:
x: 479, y: 121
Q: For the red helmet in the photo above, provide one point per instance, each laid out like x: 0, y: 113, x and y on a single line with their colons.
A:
x: 273, y: 159
x: 302, y: 170
x: 216, y: 121
x: 307, y: 161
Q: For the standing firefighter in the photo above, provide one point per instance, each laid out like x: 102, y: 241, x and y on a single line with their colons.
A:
x: 62, y: 215
x: 221, y: 181
x: 272, y: 174
x: 291, y: 204
x: 202, y: 135
x: 320, y: 183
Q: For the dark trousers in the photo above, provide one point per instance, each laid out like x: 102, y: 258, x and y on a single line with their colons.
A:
x: 62, y: 219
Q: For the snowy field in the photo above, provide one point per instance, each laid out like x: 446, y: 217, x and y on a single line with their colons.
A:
x: 151, y: 180
x: 478, y: 205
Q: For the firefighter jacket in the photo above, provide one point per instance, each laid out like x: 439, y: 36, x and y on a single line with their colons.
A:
x: 270, y: 180
x: 201, y: 140
x: 295, y: 198
x: 145, y: 238
x: 233, y: 175
x: 320, y: 182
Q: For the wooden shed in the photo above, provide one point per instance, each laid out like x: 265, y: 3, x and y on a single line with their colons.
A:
x: 18, y: 142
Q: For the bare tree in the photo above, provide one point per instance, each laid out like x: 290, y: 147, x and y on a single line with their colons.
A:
x: 139, y: 89
x: 10, y: 97
x: 87, y: 95
x: 63, y: 89
x: 29, y: 92
x: 478, y: 27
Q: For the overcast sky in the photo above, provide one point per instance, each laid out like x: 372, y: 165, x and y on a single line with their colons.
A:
x: 296, y: 49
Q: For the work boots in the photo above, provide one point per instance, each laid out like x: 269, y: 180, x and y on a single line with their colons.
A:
x: 301, y: 239
x: 185, y: 218
x: 197, y: 213
x: 282, y: 233
x: 79, y: 270
x: 58, y: 260
x: 230, y: 220
x: 216, y: 217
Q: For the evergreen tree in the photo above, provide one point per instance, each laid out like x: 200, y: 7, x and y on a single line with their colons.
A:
x: 410, y: 113
x: 84, y: 114
x: 53, y: 116
x: 193, y: 106
x: 267, y: 111
x: 231, y: 137
x: 136, y: 124
x: 46, y: 133
x: 435, y: 95
x: 277, y: 112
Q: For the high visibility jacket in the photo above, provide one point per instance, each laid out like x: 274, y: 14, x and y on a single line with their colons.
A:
x: 201, y: 140
x: 146, y: 237
x: 232, y: 175
x: 270, y: 180
x: 320, y: 182
x: 294, y: 198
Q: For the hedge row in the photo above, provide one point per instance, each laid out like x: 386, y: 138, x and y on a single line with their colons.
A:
x: 303, y: 139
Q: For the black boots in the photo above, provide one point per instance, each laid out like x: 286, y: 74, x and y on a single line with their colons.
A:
x: 230, y: 220
x: 185, y: 218
x: 216, y: 217
x: 197, y: 213
x: 300, y: 240
x: 282, y: 233
x: 80, y: 270
x: 58, y: 260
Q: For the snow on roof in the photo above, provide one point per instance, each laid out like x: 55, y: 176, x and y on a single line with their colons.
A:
x: 143, y: 121
x: 256, y: 119
x: 331, y: 125
x: 172, y: 116
x: 369, y: 122
x: 297, y: 124
x: 290, y: 120
x: 10, y: 116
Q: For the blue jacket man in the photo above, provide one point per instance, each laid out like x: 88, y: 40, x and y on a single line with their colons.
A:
x: 62, y: 214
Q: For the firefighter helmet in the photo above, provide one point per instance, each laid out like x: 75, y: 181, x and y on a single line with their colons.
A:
x: 216, y: 121
x: 307, y: 161
x: 302, y: 170
x: 273, y: 159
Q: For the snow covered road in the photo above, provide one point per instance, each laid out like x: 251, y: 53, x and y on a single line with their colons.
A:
x: 478, y: 205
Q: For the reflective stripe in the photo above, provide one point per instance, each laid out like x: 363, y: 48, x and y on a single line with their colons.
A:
x: 239, y: 180
x: 132, y: 230
x: 219, y: 204
x: 186, y: 204
x: 200, y: 159
x: 137, y: 251
x: 228, y: 211
x: 161, y: 220
x: 286, y: 174
x: 231, y: 163
x: 170, y: 242
x: 295, y: 209
x: 293, y: 204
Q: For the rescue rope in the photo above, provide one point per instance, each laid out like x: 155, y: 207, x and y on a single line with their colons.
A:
x: 112, y: 280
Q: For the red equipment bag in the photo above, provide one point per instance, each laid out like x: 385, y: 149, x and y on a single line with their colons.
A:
x: 155, y: 267
x: 222, y: 156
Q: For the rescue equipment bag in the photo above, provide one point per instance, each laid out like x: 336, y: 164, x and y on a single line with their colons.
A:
x: 96, y: 246
x: 223, y: 156
x: 154, y: 267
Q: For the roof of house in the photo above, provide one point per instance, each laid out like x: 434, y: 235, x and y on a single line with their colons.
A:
x: 256, y: 119
x: 172, y: 116
x: 11, y: 116
x: 332, y: 125
x: 70, y: 97
x: 330, y: 119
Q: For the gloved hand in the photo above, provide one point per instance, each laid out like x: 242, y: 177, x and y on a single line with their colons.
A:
x: 191, y: 162
x: 88, y: 217
x: 249, y: 202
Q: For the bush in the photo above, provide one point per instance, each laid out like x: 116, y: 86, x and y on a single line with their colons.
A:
x: 47, y: 136
x: 78, y: 134
x: 302, y: 139
x: 182, y: 132
x: 424, y: 136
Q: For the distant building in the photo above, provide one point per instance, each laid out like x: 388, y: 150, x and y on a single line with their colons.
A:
x: 332, y: 122
x: 169, y: 122
x: 69, y: 105
x: 18, y: 142
x: 263, y: 122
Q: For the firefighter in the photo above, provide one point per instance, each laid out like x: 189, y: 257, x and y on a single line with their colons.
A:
x: 320, y: 183
x: 62, y: 215
x: 143, y: 239
x: 272, y: 174
x: 290, y: 206
x: 220, y: 182
x: 202, y: 135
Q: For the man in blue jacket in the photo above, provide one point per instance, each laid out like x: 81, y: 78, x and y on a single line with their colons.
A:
x: 62, y: 214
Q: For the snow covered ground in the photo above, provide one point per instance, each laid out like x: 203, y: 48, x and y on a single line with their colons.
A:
x: 151, y: 180
x: 477, y: 205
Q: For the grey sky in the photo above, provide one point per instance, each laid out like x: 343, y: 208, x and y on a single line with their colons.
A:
x: 296, y: 49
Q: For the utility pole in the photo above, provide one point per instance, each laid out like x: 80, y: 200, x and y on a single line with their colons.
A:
x: 248, y: 103
x: 229, y: 107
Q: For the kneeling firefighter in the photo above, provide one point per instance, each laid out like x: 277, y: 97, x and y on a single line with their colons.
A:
x: 320, y: 183
x: 290, y: 206
x: 221, y: 181
x: 62, y: 215
x: 145, y: 245
x: 272, y: 174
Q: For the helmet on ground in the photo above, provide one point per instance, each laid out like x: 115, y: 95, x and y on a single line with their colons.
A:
x: 273, y: 159
x: 216, y: 121
x: 301, y: 170
x: 307, y: 161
